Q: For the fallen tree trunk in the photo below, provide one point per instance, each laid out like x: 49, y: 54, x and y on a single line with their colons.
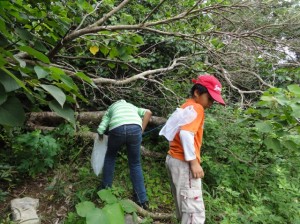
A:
x: 49, y: 120
x: 155, y: 216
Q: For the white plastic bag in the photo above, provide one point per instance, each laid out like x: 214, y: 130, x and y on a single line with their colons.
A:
x: 98, y: 154
x: 178, y: 118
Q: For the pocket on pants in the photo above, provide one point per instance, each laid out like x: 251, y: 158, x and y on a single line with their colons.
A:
x: 191, y: 200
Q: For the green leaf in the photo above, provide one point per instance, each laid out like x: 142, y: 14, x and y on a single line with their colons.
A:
x: 8, y: 82
x: 294, y: 89
x: 114, y: 213
x: 41, y: 72
x: 3, y: 95
x: 57, y: 93
x: 264, y: 126
x: 56, y: 73
x: 24, y: 34
x: 113, y: 53
x: 84, y: 208
x: 11, y: 83
x: 289, y: 144
x: 40, y: 46
x: 35, y: 53
x: 68, y: 81
x: 127, y: 206
x: 272, y: 143
x: 107, y: 196
x: 66, y: 112
x: 12, y: 112
x: 104, y: 50
x: 97, y: 216
x: 3, y: 28
x: 138, y: 39
x: 296, y: 110
x: 85, y: 78
x: 111, y: 65
x: 126, y: 19
x: 268, y: 98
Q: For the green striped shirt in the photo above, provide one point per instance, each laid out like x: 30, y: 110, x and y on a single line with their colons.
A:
x: 120, y: 113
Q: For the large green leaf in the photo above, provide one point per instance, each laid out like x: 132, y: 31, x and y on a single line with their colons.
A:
x: 83, y: 208
x: 3, y: 28
x: 97, y: 216
x: 41, y: 72
x: 57, y: 93
x: 127, y: 206
x: 24, y: 34
x: 85, y: 78
x: 66, y: 112
x: 68, y: 81
x: 56, y: 73
x: 10, y: 81
x: 114, y: 213
x: 272, y: 143
x: 12, y: 112
x: 3, y: 95
x: 296, y: 109
x: 264, y: 126
x: 35, y: 53
x: 294, y: 89
x: 107, y: 196
x: 289, y: 144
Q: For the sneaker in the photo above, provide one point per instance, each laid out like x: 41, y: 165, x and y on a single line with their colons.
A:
x: 144, y: 205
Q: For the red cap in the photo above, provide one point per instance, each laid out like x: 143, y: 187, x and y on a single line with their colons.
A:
x: 213, y: 86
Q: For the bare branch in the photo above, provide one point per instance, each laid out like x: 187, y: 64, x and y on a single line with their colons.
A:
x: 84, y: 18
x: 153, y: 10
x: 108, y: 15
x: 140, y: 75
x: 257, y: 76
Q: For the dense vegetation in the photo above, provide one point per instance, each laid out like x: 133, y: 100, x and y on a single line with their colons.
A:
x: 77, y: 56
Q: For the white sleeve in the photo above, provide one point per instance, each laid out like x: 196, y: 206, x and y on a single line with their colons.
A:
x: 187, y: 141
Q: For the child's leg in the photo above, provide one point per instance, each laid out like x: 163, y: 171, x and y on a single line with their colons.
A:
x: 133, y: 143
x: 116, y: 138
x: 189, y: 200
x: 173, y: 187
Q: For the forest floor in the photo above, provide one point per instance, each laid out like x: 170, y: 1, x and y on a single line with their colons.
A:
x: 51, y: 209
x: 61, y: 189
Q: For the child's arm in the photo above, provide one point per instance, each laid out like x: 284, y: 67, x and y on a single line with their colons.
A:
x: 196, y: 169
x: 146, y: 119
x: 187, y: 142
x: 104, y: 123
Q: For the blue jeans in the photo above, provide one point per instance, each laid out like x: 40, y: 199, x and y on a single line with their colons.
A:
x: 131, y: 136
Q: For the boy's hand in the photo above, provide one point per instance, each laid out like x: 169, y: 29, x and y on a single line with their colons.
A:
x: 100, y: 137
x: 196, y: 169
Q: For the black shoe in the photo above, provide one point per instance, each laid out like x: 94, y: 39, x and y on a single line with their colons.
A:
x: 144, y: 205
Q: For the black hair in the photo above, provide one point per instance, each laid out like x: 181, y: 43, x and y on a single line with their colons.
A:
x: 201, y: 89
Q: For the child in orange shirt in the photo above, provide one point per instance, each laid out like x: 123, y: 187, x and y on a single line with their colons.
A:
x: 183, y: 159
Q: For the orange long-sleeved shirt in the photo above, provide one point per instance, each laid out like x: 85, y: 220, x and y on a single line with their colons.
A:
x: 196, y: 126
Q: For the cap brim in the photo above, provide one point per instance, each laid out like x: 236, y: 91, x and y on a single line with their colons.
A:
x: 217, y: 97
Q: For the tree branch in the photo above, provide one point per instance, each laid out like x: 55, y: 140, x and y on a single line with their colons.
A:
x: 108, y: 15
x: 140, y: 75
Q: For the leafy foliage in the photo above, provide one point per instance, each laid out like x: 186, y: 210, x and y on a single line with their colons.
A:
x: 52, y: 58
x: 35, y: 153
x: 251, y: 160
x: 112, y: 212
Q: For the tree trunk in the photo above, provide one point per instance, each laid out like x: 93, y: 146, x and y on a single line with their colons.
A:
x: 50, y: 120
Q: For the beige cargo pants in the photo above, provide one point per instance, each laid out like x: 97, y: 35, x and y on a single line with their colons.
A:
x: 186, y: 191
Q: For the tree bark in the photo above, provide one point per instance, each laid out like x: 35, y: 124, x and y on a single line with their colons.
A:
x: 46, y: 120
